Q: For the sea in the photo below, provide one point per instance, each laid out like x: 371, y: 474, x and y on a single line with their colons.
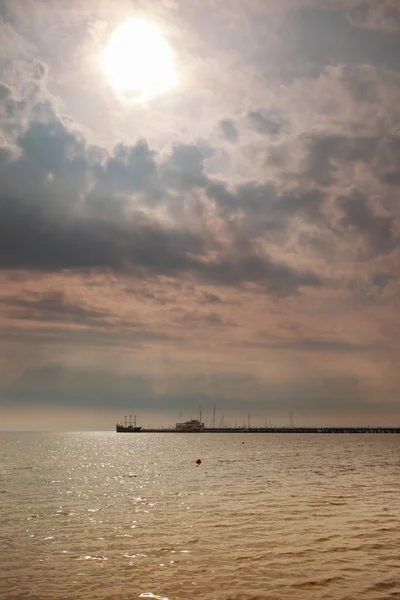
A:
x: 101, y: 515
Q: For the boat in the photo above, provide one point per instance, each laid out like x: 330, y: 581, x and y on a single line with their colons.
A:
x: 128, y: 427
x: 188, y: 426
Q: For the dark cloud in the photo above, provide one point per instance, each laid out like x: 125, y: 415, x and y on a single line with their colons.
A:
x: 264, y: 124
x: 274, y: 277
x: 39, y: 70
x: 361, y: 82
x: 327, y: 152
x: 391, y: 178
x: 184, y: 168
x: 267, y: 209
x: 108, y: 334
x: 388, y: 161
x: 129, y: 169
x: 250, y: 197
x: 53, y: 307
x: 196, y: 319
x: 338, y: 346
x: 212, y: 298
x: 328, y: 158
x: 384, y: 14
x: 315, y: 37
x: 61, y: 220
x: 50, y: 147
x: 309, y: 203
x: 68, y: 385
x: 5, y: 92
x: 228, y: 130
x: 11, y: 105
x: 146, y: 295
x: 381, y: 280
x: 315, y: 345
x: 31, y: 239
x: 377, y: 230
x: 277, y: 156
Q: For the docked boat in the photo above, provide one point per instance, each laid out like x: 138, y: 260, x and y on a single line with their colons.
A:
x: 188, y: 426
x: 128, y: 427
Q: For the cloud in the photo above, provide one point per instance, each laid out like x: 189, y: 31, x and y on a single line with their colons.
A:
x: 212, y: 320
x: 327, y: 152
x: 129, y: 169
x: 391, y: 178
x: 317, y: 345
x: 274, y: 277
x: 54, y: 307
x: 65, y: 205
x: 315, y: 36
x: 184, y: 167
x: 361, y: 82
x: 229, y: 130
x: 381, y: 280
x: 384, y: 15
x: 148, y: 245
x: 376, y: 229
x: 54, y: 384
x: 32, y: 240
x: 264, y: 125
x: 54, y: 381
x: 212, y: 298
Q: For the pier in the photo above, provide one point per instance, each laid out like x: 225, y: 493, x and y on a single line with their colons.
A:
x: 245, y: 430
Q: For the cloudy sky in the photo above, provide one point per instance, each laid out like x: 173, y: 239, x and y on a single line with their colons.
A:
x: 231, y: 237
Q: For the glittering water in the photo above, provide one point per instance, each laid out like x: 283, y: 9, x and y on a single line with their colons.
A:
x: 116, y: 516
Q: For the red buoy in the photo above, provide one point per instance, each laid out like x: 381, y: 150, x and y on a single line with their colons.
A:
x: 198, y: 462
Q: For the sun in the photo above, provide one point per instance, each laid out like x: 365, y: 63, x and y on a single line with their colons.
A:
x: 138, y: 62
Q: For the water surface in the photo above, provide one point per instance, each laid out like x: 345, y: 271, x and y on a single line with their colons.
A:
x: 115, y: 516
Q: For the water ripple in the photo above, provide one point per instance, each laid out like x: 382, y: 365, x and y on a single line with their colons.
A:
x: 100, y: 516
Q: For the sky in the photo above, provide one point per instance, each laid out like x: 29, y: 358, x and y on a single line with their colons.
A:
x: 234, y: 238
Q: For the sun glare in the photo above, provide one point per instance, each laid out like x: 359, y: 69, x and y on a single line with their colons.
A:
x: 138, y: 61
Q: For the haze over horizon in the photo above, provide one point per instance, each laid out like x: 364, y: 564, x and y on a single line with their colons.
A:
x: 211, y: 215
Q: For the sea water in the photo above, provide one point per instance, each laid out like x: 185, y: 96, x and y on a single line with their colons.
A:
x: 102, y: 515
